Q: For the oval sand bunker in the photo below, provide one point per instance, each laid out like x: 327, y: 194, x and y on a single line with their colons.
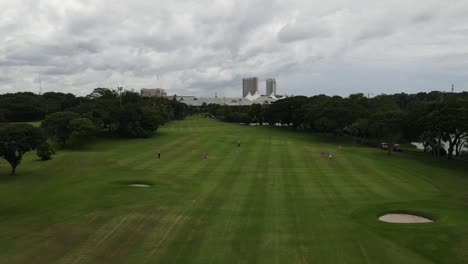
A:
x: 140, y: 185
x: 404, y: 219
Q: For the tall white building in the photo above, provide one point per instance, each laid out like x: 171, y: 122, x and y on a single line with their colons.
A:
x: 249, y: 85
x: 270, y: 87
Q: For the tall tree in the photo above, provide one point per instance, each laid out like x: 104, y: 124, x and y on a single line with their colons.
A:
x: 387, y: 126
x: 136, y: 121
x: 57, y: 126
x: 81, y: 129
x: 22, y: 106
x: 16, y: 140
x: 453, y: 120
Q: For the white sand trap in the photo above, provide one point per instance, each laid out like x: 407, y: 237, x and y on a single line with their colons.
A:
x: 140, y: 185
x: 404, y: 219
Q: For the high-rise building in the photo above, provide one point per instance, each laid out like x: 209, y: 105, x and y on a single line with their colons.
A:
x: 270, y: 87
x: 249, y: 85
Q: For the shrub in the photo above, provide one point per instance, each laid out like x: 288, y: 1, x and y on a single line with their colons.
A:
x: 45, y: 151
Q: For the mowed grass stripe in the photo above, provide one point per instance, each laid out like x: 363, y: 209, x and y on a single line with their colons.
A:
x: 215, y: 245
x: 248, y: 240
x: 186, y: 244
x: 357, y: 184
x: 320, y: 244
x: 330, y: 216
x: 293, y: 200
x: 396, y: 187
x: 202, y: 176
x: 274, y: 213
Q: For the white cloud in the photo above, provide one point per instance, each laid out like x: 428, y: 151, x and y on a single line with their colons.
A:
x: 300, y: 30
x: 202, y: 47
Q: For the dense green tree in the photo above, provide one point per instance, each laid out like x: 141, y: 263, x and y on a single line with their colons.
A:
x: 179, y: 109
x: 332, y: 115
x: 22, y: 107
x: 16, y: 140
x: 387, y: 127
x: 326, y: 125
x: 3, y: 115
x: 429, y: 142
x: 137, y: 121
x: 57, y: 126
x: 104, y: 107
x: 453, y: 124
x: 256, y: 113
x: 359, y: 129
x: 82, y: 129
x: 56, y: 102
x: 103, y: 93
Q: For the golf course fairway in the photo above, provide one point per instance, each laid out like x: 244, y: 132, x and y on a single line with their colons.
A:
x: 274, y: 199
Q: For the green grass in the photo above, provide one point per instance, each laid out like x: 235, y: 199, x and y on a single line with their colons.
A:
x: 32, y: 123
x: 273, y: 200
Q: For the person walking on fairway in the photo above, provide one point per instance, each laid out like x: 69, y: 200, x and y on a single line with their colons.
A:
x: 238, y: 143
x: 159, y: 154
x: 330, y: 155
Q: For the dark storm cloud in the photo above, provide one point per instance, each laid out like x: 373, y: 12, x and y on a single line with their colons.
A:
x: 205, y: 46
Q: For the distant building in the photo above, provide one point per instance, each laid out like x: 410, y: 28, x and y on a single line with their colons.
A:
x: 270, y: 87
x: 249, y: 85
x: 158, y: 92
x: 231, y: 101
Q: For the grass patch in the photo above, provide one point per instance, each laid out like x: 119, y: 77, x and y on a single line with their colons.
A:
x: 273, y: 200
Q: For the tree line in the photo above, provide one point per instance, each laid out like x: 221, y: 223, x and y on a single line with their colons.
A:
x: 430, y: 118
x: 68, y: 120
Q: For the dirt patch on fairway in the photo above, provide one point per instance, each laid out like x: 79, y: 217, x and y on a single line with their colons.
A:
x: 404, y: 218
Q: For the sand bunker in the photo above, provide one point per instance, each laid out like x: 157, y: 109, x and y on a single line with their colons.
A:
x: 139, y: 185
x: 404, y: 219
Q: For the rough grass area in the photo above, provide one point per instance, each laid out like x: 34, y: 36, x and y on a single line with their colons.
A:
x: 32, y: 123
x: 273, y: 200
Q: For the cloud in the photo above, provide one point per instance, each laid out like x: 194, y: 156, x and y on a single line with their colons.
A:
x: 375, y: 31
x: 301, y: 31
x: 198, y: 47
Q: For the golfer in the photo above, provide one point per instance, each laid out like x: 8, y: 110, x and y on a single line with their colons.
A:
x: 238, y: 143
x: 330, y: 155
x: 159, y: 154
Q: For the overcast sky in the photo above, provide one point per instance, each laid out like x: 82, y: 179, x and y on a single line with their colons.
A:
x: 206, y: 46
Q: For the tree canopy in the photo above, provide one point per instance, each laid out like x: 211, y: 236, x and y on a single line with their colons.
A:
x: 16, y: 140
